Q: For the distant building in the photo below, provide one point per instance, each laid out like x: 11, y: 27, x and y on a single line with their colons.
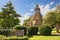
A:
x: 36, y: 19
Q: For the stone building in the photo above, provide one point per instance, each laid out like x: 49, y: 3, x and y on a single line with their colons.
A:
x: 36, y: 19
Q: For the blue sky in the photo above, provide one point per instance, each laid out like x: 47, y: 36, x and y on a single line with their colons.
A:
x: 26, y: 7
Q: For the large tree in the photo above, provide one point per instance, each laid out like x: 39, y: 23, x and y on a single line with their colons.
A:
x: 53, y: 18
x: 58, y: 13
x: 57, y: 17
x: 9, y: 16
x: 50, y: 18
x: 26, y: 21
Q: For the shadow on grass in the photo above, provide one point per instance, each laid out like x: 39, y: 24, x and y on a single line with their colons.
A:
x: 55, y: 34
x: 48, y: 35
x: 29, y: 36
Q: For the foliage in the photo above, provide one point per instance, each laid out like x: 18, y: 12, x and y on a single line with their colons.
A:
x: 58, y: 8
x: 50, y: 18
x: 27, y: 20
x: 32, y: 30
x: 18, y: 27
x: 58, y: 13
x: 9, y: 16
x: 4, y: 32
x: 45, y: 30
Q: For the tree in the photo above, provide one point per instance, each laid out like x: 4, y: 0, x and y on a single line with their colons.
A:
x: 58, y: 13
x: 57, y: 17
x: 50, y: 18
x: 9, y: 16
x: 58, y: 8
x: 27, y: 20
x: 53, y: 18
x: 0, y: 18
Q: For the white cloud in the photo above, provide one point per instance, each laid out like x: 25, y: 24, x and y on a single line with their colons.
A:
x: 24, y: 17
x: 51, y: 3
x: 45, y: 8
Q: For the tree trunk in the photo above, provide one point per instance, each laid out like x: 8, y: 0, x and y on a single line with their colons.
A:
x: 57, y: 28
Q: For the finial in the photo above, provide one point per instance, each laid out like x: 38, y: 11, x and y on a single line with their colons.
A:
x: 36, y: 5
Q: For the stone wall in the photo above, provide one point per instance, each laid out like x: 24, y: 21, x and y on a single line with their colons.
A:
x: 17, y: 33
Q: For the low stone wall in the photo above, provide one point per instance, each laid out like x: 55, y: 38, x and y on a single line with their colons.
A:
x: 17, y: 33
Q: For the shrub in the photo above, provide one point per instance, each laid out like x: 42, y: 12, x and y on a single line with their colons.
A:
x: 45, y: 30
x: 33, y: 30
x: 18, y: 27
x: 4, y: 32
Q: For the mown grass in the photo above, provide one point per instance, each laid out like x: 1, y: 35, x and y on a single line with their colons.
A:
x: 13, y: 38
x: 45, y: 38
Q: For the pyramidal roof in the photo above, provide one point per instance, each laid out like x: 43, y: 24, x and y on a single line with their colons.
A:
x: 37, y: 13
x: 36, y: 7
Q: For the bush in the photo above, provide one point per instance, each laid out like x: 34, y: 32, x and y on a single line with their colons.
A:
x: 18, y: 27
x: 33, y: 30
x: 4, y: 32
x: 45, y: 30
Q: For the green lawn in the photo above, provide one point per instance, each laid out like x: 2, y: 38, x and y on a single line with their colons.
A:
x: 45, y: 38
x: 54, y: 36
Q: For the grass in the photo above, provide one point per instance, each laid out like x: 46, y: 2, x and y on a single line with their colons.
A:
x: 13, y: 38
x: 45, y: 38
x: 54, y: 36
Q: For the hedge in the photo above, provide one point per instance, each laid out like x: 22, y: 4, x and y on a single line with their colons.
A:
x: 4, y: 32
x: 32, y: 30
x: 45, y: 30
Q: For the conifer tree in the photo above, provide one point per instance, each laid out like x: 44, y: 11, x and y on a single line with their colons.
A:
x: 9, y: 16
